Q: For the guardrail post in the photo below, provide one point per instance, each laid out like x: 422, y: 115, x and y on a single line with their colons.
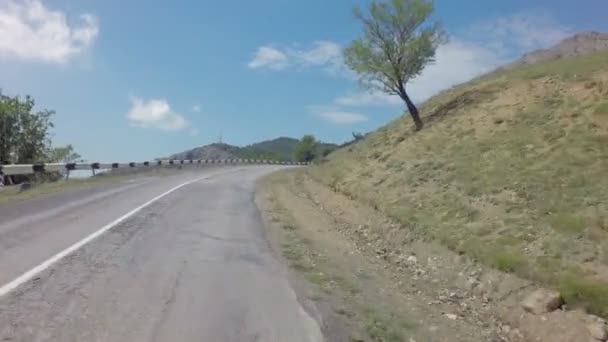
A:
x: 94, y: 167
x: 8, y: 171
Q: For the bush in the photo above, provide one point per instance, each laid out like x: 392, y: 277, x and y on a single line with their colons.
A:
x: 567, y: 224
x: 580, y: 292
x: 306, y: 149
x: 509, y: 262
x: 602, y: 108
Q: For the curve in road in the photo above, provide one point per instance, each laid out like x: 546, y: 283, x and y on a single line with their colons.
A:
x: 189, y: 264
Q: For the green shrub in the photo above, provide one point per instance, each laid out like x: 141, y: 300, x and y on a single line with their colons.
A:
x: 509, y: 262
x: 602, y: 108
x: 567, y: 223
x: 580, y: 292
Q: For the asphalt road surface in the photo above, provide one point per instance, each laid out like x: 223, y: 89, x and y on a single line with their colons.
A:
x: 192, y: 264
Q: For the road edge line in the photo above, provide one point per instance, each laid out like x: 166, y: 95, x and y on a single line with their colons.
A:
x: 25, y: 277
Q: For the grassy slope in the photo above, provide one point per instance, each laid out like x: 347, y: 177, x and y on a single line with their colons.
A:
x: 512, y: 170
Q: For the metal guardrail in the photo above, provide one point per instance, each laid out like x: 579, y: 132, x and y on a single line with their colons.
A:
x: 26, y: 169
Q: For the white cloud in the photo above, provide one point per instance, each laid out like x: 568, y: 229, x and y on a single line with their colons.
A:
x: 155, y: 113
x: 519, y: 32
x: 30, y: 31
x: 479, y: 49
x: 268, y: 57
x: 323, y: 53
x: 484, y: 47
x: 456, y: 62
x: 343, y: 118
x: 337, y: 116
x: 364, y: 98
x: 196, y: 108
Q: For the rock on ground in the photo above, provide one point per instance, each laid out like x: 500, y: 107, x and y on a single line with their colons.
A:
x: 542, y: 301
x: 597, y: 329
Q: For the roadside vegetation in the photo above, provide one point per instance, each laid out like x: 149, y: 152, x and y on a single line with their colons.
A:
x: 25, y: 138
x: 511, y: 171
x: 306, y: 149
x: 355, y: 281
x: 25, y: 133
x: 351, y: 307
x: 309, y: 149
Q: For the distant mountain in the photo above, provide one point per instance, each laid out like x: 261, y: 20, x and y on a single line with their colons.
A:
x: 577, y: 45
x: 211, y: 151
x: 281, y: 147
x: 276, y: 149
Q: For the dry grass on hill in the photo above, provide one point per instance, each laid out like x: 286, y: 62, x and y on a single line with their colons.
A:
x: 512, y: 170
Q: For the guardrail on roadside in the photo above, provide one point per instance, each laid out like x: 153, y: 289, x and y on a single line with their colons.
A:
x: 26, y: 169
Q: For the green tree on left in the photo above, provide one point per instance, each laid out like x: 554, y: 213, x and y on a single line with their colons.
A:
x: 24, y: 133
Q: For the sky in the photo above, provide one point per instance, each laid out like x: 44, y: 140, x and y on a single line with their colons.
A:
x: 140, y: 79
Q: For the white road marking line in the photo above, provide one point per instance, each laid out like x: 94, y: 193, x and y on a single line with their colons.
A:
x: 5, y: 289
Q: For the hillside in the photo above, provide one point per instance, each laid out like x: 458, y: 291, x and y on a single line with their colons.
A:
x: 211, y: 151
x: 511, y: 170
x: 578, y: 45
x: 281, y: 147
x: 276, y: 149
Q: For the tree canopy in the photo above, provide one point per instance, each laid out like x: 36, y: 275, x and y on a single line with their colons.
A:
x: 25, y: 133
x: 306, y: 149
x: 396, y: 45
x: 65, y: 154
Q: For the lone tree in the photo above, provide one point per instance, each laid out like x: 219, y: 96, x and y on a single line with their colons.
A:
x: 65, y: 154
x: 395, y: 47
x: 306, y: 149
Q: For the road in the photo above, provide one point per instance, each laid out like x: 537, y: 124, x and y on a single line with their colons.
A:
x: 193, y: 265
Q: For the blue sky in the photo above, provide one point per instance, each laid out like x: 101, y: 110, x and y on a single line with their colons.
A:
x: 135, y: 80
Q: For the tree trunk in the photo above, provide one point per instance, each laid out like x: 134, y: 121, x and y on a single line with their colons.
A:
x: 411, y: 107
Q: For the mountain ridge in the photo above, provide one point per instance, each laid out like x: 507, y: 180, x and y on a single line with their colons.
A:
x: 578, y: 44
x: 280, y: 148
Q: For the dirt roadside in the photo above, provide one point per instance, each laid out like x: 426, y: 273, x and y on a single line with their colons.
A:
x: 369, y: 285
x: 358, y: 297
